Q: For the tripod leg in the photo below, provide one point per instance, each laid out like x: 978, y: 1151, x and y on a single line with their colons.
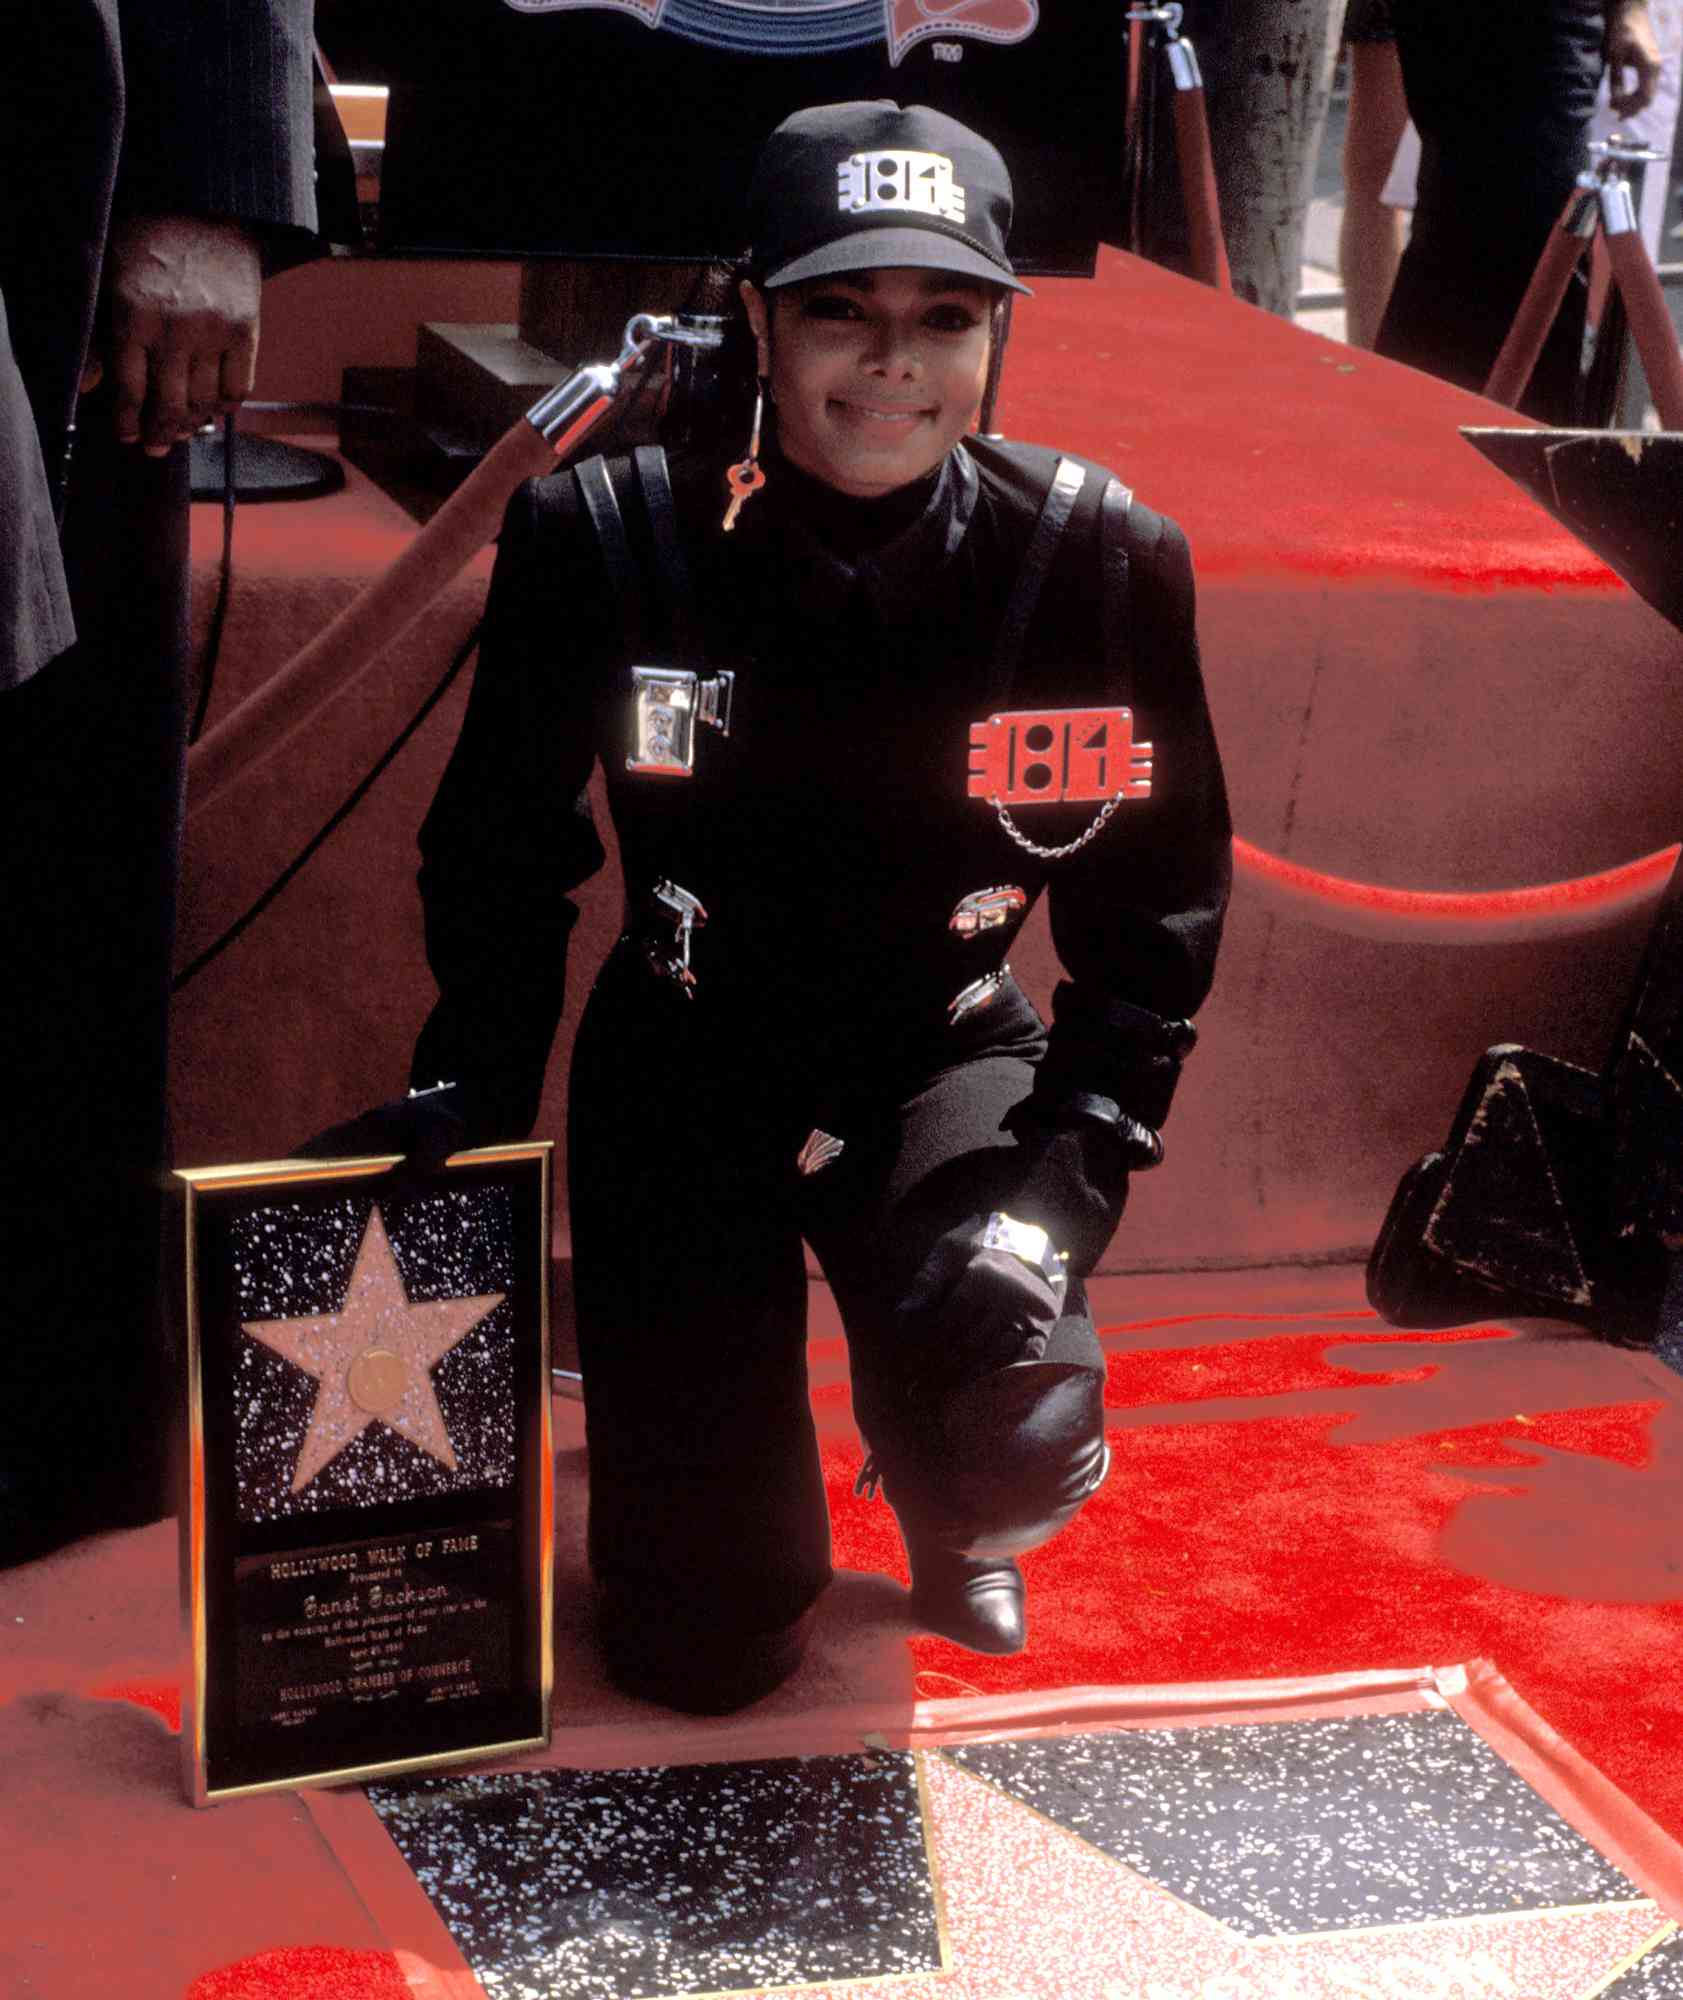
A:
x: 1512, y: 370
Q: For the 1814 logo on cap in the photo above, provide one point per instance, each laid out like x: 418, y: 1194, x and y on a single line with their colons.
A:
x: 921, y: 182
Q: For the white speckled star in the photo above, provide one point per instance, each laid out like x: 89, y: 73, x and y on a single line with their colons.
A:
x: 373, y: 1358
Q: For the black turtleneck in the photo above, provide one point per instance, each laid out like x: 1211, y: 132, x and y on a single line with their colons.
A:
x: 849, y: 527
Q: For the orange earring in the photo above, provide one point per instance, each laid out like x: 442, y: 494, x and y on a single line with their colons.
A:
x: 746, y: 478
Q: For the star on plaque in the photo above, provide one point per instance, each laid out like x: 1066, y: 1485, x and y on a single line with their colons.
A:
x: 373, y: 1358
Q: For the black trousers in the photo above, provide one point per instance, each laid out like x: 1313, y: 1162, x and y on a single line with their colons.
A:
x: 91, y: 763
x: 707, y: 1514
x: 1502, y: 95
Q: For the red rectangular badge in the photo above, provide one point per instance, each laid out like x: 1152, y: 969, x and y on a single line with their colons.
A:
x: 1048, y: 756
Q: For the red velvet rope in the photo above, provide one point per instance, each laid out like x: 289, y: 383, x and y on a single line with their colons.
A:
x: 1429, y: 916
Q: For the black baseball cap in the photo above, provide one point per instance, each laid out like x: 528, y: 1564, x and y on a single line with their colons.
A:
x: 872, y: 184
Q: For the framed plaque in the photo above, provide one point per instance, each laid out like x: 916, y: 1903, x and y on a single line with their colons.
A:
x: 366, y: 1533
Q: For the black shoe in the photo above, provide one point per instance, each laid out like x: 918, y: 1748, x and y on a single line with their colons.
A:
x: 975, y: 1603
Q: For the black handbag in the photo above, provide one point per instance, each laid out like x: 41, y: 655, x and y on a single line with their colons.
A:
x: 1556, y: 1187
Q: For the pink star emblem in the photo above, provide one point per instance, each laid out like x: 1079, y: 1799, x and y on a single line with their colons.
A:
x: 373, y: 1358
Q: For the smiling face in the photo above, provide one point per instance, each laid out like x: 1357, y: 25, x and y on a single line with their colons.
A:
x: 876, y: 374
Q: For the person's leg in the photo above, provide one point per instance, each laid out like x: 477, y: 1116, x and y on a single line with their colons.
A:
x: 1370, y: 231
x: 92, y: 769
x: 709, y: 1533
x: 1502, y: 100
x: 987, y: 1440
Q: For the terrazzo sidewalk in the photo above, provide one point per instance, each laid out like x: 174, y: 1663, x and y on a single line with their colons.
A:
x: 1349, y: 1838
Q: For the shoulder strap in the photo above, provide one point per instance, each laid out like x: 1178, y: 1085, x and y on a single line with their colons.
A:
x: 596, y: 490
x: 1055, y: 511
x: 1114, y: 508
x: 671, y: 565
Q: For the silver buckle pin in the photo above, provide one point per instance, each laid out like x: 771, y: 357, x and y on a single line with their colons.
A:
x: 667, y: 706
x: 688, y: 915
x: 979, y: 993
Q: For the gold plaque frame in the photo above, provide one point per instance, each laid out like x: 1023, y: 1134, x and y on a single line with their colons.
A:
x: 367, y: 1522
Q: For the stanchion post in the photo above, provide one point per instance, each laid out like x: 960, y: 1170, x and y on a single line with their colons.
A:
x: 1197, y: 166
x: 1645, y: 306
x: 1139, y: 98
x: 1511, y: 371
x: 1601, y: 204
x: 1154, y: 30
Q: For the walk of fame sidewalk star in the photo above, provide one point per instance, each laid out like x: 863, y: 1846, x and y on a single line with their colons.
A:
x: 373, y: 1358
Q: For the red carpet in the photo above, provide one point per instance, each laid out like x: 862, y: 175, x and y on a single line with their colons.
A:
x: 1312, y: 1492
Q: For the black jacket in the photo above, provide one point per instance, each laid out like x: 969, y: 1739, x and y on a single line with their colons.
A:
x: 830, y: 836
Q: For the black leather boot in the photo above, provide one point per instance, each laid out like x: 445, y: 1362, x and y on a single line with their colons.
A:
x: 993, y: 1468
x: 976, y: 1603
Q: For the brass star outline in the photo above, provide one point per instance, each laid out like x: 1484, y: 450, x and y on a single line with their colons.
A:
x: 372, y: 1359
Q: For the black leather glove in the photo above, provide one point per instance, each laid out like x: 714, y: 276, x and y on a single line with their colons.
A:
x: 427, y: 1126
x: 1077, y: 1157
x: 976, y: 1304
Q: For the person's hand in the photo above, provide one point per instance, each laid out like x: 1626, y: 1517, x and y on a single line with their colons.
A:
x: 975, y: 1306
x: 1633, y: 57
x: 426, y: 1127
x: 182, y: 345
x: 1075, y: 1185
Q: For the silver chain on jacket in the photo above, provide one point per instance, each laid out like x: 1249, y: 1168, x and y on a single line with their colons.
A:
x: 1070, y: 846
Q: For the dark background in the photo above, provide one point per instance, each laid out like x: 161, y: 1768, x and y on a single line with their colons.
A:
x: 584, y: 133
